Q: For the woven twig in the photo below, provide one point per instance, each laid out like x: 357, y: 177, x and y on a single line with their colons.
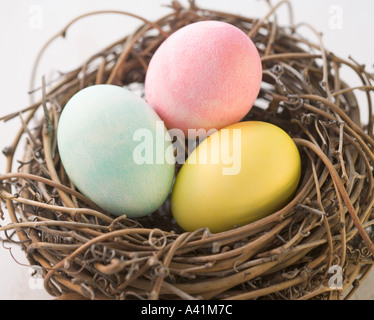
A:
x: 85, y: 252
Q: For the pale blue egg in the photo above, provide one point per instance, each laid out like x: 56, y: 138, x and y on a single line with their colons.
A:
x: 116, y: 150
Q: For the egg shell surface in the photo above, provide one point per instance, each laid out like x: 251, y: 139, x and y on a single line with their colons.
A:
x: 96, y: 144
x: 205, y: 75
x: 261, y: 177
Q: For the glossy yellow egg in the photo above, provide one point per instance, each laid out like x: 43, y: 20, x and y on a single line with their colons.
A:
x: 238, y: 175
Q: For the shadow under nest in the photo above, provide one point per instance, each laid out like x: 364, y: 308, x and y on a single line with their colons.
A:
x: 292, y: 254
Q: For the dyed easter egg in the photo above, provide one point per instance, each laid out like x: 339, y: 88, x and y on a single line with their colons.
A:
x: 99, y: 135
x: 238, y: 175
x: 205, y: 75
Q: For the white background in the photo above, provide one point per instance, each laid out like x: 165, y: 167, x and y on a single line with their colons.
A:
x: 26, y: 25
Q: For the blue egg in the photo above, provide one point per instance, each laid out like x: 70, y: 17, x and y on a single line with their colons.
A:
x: 116, y: 150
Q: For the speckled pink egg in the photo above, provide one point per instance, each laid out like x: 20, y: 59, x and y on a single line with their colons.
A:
x: 205, y: 75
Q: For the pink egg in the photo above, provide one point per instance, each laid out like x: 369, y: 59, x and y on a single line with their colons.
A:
x: 205, y: 75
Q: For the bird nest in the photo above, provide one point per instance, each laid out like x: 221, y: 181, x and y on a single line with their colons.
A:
x: 319, y: 246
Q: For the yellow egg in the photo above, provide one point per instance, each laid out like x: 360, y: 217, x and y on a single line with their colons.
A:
x: 238, y: 175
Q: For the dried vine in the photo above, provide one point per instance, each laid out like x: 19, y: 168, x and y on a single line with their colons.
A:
x: 85, y: 252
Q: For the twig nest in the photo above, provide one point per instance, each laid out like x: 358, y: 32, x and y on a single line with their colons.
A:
x: 318, y: 246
